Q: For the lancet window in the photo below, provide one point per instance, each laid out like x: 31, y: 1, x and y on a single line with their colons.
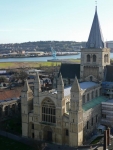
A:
x: 94, y: 58
x: 88, y: 58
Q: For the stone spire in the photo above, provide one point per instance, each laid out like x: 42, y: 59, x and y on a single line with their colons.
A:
x: 95, y: 39
x: 75, y: 87
x: 26, y: 87
x: 37, y: 84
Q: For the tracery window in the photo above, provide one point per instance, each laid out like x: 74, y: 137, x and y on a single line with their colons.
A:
x: 88, y: 58
x: 48, y: 111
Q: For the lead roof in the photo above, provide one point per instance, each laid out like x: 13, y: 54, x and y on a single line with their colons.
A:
x: 70, y: 71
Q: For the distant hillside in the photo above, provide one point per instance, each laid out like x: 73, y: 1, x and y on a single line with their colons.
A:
x: 42, y: 46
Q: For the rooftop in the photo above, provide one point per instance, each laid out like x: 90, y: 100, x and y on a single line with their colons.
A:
x: 83, y: 86
x: 70, y: 70
x: 94, y: 102
x: 10, y: 94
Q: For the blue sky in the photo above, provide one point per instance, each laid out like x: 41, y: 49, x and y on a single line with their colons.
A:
x: 63, y: 20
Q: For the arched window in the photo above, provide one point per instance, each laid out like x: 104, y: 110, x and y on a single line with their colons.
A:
x: 87, y: 97
x: 88, y: 58
x: 91, y: 78
x: 83, y: 99
x: 13, y: 108
x: 94, y: 58
x: 105, y: 58
x: 48, y: 111
x: 6, y: 110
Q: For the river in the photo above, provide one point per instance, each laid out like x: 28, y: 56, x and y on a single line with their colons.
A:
x: 36, y: 59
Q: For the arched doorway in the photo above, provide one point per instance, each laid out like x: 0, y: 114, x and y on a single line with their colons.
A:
x: 47, y: 134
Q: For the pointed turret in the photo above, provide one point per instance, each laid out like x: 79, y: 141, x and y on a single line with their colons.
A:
x: 95, y: 39
x: 37, y: 85
x: 60, y: 87
x: 26, y: 87
x: 60, y: 84
x: 75, y: 87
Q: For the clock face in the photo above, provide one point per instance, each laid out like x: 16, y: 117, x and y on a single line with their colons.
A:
x: 91, y: 44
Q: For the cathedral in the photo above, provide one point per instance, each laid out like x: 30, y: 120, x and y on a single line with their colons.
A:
x: 69, y: 113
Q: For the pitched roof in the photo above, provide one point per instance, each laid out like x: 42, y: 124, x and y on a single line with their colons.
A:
x: 109, y: 73
x: 96, y: 101
x: 70, y: 70
x: 8, y: 94
x: 95, y: 39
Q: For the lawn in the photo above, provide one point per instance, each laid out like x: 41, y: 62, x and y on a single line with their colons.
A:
x: 12, y: 125
x: 9, y: 144
x: 9, y: 65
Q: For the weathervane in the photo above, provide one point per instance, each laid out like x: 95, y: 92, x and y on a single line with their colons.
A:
x: 96, y: 3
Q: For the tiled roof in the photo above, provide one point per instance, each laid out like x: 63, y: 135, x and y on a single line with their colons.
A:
x: 70, y: 70
x: 8, y: 94
x: 109, y: 73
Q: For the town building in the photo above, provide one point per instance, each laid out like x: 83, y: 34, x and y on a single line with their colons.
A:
x: 10, y: 103
x: 70, y: 113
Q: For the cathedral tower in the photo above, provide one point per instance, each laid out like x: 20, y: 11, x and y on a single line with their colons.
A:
x: 76, y: 115
x: 95, y: 56
x: 26, y: 107
x: 37, y: 91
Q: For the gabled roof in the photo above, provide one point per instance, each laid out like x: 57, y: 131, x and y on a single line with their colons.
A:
x: 109, y: 73
x: 70, y: 70
x: 95, y: 39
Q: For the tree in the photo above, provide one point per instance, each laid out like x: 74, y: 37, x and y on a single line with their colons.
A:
x: 3, y: 79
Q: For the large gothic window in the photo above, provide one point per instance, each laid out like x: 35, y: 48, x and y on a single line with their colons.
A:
x: 88, y: 58
x: 94, y: 58
x: 48, y: 111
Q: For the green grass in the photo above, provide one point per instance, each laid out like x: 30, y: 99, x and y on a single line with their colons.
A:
x: 9, y: 144
x: 6, y: 65
x: 96, y: 140
x: 9, y: 65
x: 12, y: 125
